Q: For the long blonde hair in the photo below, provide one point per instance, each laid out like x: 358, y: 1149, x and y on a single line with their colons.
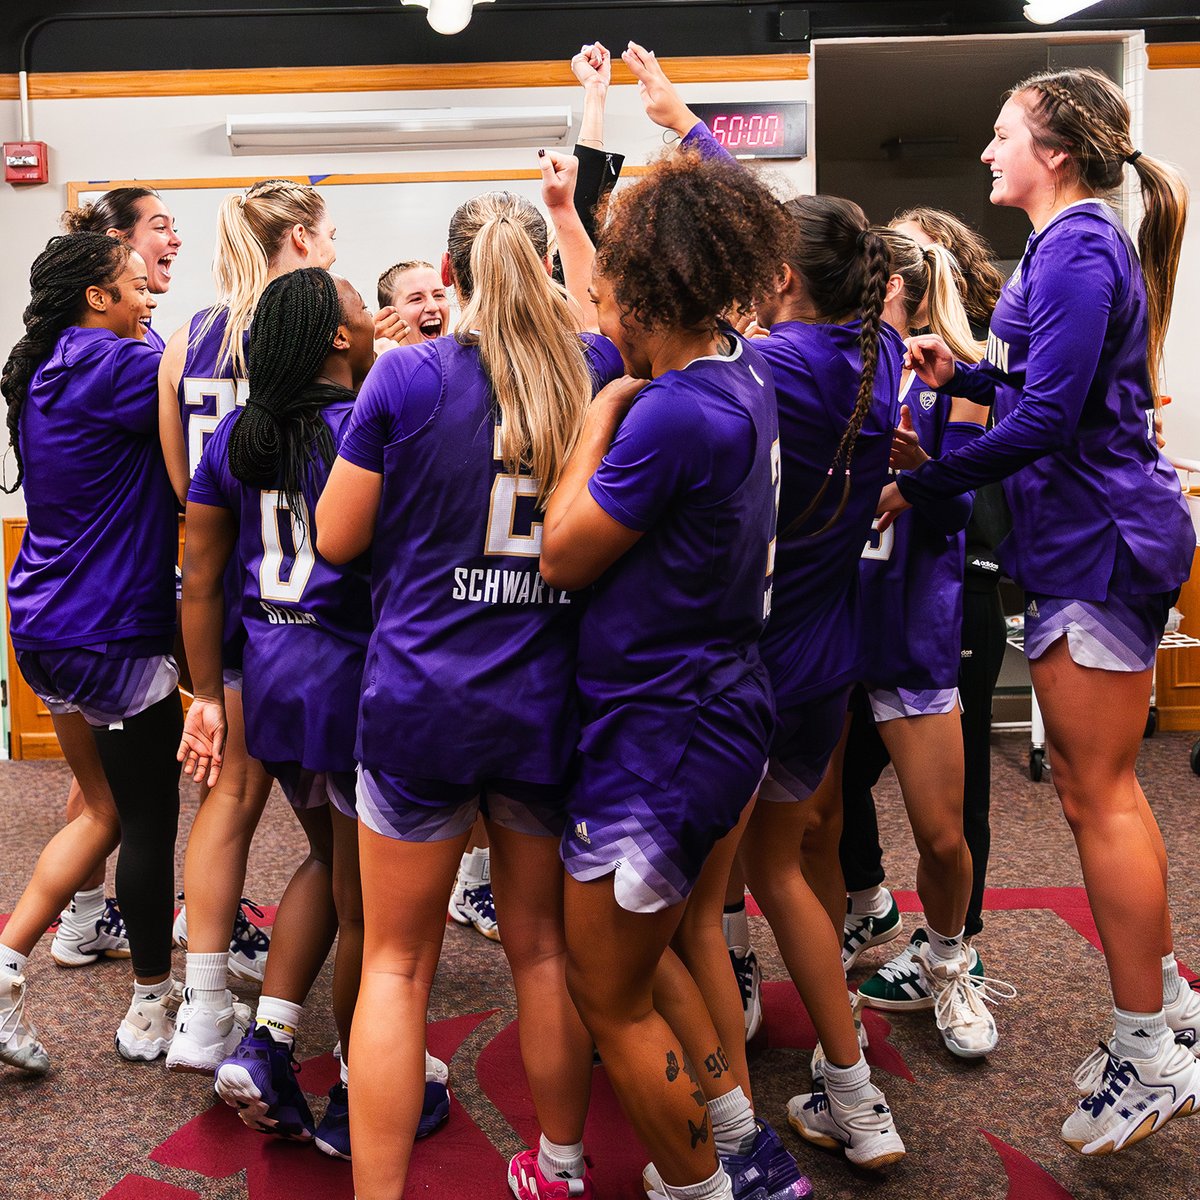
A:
x: 522, y: 322
x: 252, y: 227
x: 1083, y: 113
x: 931, y: 274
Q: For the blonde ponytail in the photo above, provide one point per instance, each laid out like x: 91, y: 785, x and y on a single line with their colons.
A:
x: 947, y: 312
x: 252, y: 228
x: 523, y: 324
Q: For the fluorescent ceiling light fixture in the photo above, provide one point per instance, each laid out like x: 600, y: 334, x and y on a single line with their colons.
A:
x: 396, y: 129
x: 1046, y: 12
x: 448, y: 16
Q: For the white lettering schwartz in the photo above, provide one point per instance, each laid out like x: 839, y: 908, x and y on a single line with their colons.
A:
x: 497, y: 585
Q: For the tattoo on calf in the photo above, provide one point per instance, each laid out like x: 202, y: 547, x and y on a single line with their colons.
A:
x: 716, y: 1064
x: 699, y: 1132
x: 672, y: 1066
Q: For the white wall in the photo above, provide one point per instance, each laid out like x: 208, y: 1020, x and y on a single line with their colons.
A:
x: 1172, y: 100
x: 183, y: 137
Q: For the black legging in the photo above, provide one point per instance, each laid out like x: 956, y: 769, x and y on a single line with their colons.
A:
x: 866, y: 756
x: 143, y: 775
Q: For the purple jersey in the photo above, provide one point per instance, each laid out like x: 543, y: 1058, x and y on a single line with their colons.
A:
x: 153, y: 340
x: 297, y: 609
x: 912, y: 572
x: 812, y: 642
x: 97, y: 562
x: 1093, y: 499
x: 209, y: 389
x: 470, y: 667
x: 677, y: 619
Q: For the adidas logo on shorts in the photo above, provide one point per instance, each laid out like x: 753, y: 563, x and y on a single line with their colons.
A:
x: 1032, y: 610
x: 581, y: 832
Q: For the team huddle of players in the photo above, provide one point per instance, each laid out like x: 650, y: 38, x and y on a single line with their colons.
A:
x: 610, y: 571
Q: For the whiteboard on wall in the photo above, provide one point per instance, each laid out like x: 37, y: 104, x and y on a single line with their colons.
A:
x: 380, y: 220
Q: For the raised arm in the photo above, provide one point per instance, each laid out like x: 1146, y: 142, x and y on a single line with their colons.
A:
x: 662, y: 102
x: 575, y: 249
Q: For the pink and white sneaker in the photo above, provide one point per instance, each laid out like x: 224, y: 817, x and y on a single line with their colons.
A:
x: 527, y: 1182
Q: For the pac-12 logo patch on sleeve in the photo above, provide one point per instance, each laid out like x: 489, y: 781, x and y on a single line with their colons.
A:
x: 927, y: 400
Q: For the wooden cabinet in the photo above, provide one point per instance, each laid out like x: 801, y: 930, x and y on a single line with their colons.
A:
x: 1177, y: 678
x: 31, y: 728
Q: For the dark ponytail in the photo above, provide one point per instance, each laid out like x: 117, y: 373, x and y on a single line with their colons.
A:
x: 274, y: 437
x: 844, y: 265
x: 68, y: 266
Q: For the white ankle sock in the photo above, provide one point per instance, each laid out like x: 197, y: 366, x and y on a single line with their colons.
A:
x: 1172, y: 980
x: 280, y: 1018
x: 733, y: 1125
x: 476, y: 867
x: 152, y: 991
x: 870, y: 902
x: 1139, y: 1035
x: 715, y: 1187
x: 735, y: 925
x: 942, y: 947
x: 560, y: 1162
x: 89, y: 905
x: 849, y: 1084
x: 344, y: 1071
x: 12, y: 961
x: 205, y: 977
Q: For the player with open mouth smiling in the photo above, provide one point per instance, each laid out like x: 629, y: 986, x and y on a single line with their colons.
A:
x: 413, y: 306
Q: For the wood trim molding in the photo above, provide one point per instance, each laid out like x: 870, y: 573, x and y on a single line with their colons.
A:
x: 1173, y: 55
x: 234, y: 183
x: 78, y: 85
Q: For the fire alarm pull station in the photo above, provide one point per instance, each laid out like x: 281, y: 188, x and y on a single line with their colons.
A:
x: 25, y: 162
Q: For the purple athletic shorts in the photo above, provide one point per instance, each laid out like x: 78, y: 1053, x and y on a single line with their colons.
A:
x: 805, y: 739
x: 314, y: 789
x: 99, y: 682
x: 429, y: 810
x: 1120, y: 633
x: 654, y: 840
x: 890, y: 704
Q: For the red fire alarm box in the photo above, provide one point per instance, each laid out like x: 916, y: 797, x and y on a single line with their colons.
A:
x: 25, y: 162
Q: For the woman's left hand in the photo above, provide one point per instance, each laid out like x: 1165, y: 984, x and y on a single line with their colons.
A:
x: 891, y: 505
x: 907, y: 454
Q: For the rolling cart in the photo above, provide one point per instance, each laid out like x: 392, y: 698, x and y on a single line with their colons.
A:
x: 1038, y: 762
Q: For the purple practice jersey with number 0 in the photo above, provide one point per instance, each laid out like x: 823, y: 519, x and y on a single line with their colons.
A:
x: 307, y: 621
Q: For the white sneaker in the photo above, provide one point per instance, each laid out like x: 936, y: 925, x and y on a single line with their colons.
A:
x: 817, y: 1066
x: 1183, y: 1016
x: 959, y: 1002
x: 149, y: 1026
x: 865, y: 1130
x: 206, y: 1035
x: 248, y: 947
x: 471, y: 903
x: 1135, y: 1098
x: 79, y: 942
x: 749, y: 978
x: 19, y: 1045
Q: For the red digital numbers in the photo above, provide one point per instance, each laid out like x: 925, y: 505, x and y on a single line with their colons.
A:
x: 736, y: 132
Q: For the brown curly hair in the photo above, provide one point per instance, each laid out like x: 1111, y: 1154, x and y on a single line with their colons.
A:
x: 691, y: 240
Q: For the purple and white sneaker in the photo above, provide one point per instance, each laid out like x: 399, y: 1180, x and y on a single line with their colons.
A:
x: 259, y: 1080
x: 333, y: 1133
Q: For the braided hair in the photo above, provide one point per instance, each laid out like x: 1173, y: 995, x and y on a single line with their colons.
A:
x: 1084, y: 114
x: 844, y: 266
x: 276, y: 436
x: 69, y: 265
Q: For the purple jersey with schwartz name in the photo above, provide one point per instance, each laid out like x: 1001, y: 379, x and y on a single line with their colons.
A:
x: 1093, y: 499
x: 812, y: 642
x: 307, y: 621
x: 677, y: 619
x: 208, y: 389
x: 470, y: 667
x: 912, y: 572
x: 97, y: 562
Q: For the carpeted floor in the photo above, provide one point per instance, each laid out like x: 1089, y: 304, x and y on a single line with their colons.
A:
x: 97, y: 1127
